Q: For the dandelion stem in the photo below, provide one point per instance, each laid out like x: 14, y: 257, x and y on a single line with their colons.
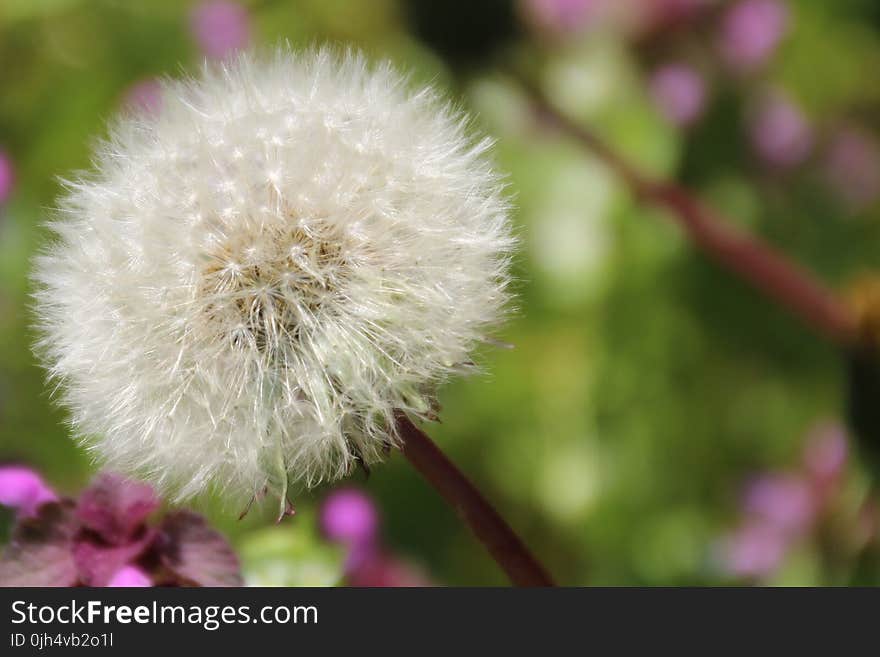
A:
x: 503, y: 544
x: 747, y: 256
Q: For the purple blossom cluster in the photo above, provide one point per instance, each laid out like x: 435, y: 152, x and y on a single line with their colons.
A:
x: 781, y: 508
x: 105, y: 538
x: 747, y: 34
x: 350, y: 518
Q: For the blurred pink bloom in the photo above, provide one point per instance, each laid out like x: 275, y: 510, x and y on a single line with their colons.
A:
x: 679, y: 92
x: 130, y: 576
x: 852, y: 167
x: 24, y: 490
x: 144, y: 96
x: 115, y: 508
x: 826, y: 453
x: 754, y: 550
x: 783, y: 502
x: 349, y: 516
x: 751, y: 31
x: 780, y: 133
x: 220, y: 27
x: 387, y: 571
x: 7, y: 176
x: 562, y: 16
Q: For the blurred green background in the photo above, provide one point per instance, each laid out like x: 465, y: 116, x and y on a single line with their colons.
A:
x: 647, y: 387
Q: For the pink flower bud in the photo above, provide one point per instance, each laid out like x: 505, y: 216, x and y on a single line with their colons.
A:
x: 782, y: 501
x: 349, y: 516
x: 130, y: 576
x: 220, y: 27
x: 754, y: 550
x: 750, y: 33
x: 679, y: 93
x: 23, y: 489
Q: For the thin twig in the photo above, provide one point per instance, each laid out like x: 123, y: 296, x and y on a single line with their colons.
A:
x: 503, y: 544
x: 746, y: 255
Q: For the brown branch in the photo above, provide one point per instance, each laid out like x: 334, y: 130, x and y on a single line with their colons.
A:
x: 484, y: 521
x: 749, y: 257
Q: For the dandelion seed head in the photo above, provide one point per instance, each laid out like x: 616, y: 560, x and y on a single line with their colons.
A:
x: 252, y: 279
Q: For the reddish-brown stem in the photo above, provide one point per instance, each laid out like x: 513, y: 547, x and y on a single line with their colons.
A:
x: 752, y: 259
x: 503, y: 544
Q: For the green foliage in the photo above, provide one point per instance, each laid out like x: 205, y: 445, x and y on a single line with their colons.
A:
x: 645, y: 384
x: 290, y: 554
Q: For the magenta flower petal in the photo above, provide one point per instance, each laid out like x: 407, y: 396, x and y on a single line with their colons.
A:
x: 98, y: 563
x: 7, y: 176
x: 130, y: 576
x: 679, y: 93
x: 197, y: 554
x: 115, y: 507
x: 751, y: 31
x: 220, y: 27
x: 782, y: 501
x: 23, y: 489
x: 39, y: 552
x: 349, y: 516
x: 754, y: 550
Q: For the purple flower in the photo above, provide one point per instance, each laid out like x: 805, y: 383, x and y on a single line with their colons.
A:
x: 562, y: 16
x: 130, y: 576
x: 104, y: 539
x: 220, y: 27
x: 780, y: 133
x: 783, y: 502
x: 115, y: 508
x: 751, y: 31
x: 24, y: 490
x: 144, y: 96
x: 349, y: 516
x: 7, y: 176
x: 852, y: 167
x: 679, y: 92
x: 754, y: 550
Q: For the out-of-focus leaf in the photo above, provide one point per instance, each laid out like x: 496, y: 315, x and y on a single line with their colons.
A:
x: 290, y: 554
x: 11, y: 10
x: 196, y: 553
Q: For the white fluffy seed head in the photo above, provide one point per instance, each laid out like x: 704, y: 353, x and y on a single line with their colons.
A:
x: 250, y: 282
